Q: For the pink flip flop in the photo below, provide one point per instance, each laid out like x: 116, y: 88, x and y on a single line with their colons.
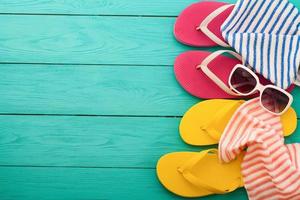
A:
x: 199, y: 24
x: 205, y: 75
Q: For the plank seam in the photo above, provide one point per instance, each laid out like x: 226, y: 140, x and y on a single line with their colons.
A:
x: 74, y: 167
x: 95, y: 115
x: 91, y: 15
x: 91, y: 115
x: 84, y: 64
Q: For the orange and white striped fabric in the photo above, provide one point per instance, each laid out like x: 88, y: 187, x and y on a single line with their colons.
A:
x: 270, y: 168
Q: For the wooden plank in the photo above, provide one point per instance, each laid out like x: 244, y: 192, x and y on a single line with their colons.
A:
x: 96, y: 7
x: 88, y: 141
x: 100, y: 7
x: 88, y: 40
x: 91, y: 141
x: 89, y: 184
x: 296, y: 103
x: 95, y: 90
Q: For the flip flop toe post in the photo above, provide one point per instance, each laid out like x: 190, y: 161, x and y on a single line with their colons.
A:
x: 210, y: 15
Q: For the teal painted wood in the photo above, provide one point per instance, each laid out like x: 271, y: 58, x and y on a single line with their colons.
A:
x: 95, y: 90
x: 91, y: 141
x: 103, y: 7
x: 88, y: 184
x: 296, y: 102
x: 88, y: 40
x: 96, y: 7
x: 88, y: 141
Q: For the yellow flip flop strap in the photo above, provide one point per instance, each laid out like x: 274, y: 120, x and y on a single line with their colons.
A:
x: 209, y: 127
x: 185, y: 171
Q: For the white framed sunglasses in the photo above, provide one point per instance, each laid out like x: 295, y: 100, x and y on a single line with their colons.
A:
x: 245, y: 82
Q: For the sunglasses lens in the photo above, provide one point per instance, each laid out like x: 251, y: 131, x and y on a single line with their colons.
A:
x: 243, y: 81
x: 274, y: 100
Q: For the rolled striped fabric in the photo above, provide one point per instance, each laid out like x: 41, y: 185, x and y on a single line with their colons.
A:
x: 270, y: 169
x: 266, y: 34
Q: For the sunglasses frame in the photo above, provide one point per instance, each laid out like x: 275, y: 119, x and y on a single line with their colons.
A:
x: 260, y: 88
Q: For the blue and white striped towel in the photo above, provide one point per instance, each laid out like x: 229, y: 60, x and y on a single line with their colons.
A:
x: 266, y: 33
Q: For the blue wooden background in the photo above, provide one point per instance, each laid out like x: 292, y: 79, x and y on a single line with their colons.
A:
x: 89, y: 101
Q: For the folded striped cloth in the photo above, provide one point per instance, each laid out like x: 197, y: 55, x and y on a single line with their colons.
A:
x: 266, y: 34
x: 270, y: 169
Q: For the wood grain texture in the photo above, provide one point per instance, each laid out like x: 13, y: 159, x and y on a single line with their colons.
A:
x: 88, y: 184
x: 88, y: 40
x: 96, y: 7
x: 100, y: 7
x: 95, y: 90
x: 91, y: 141
x: 88, y: 141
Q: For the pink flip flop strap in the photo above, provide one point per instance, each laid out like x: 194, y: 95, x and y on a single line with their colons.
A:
x: 204, y: 25
x: 204, y: 67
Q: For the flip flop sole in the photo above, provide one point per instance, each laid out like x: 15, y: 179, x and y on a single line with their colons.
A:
x: 203, y: 112
x: 208, y: 170
x: 191, y: 17
x: 195, y: 82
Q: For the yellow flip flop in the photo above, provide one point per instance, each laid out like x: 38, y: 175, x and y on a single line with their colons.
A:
x: 204, y: 123
x: 192, y: 174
